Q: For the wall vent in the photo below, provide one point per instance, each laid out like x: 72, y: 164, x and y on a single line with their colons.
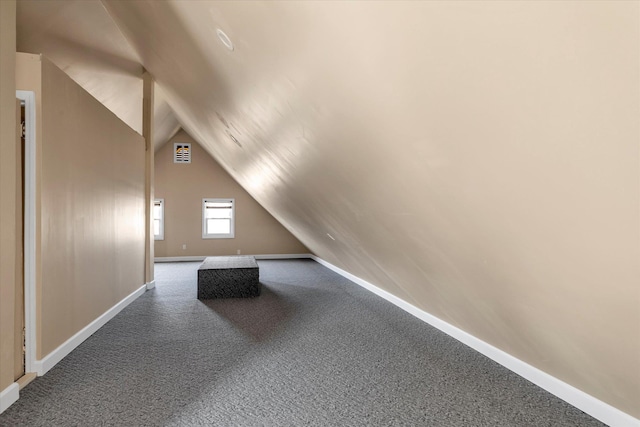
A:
x: 181, y: 152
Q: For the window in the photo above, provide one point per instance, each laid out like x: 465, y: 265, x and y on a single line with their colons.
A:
x: 158, y: 219
x: 217, y: 218
x: 181, y: 152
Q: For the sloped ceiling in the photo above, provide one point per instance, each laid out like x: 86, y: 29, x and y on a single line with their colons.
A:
x: 457, y: 154
x: 477, y: 159
x: 80, y: 37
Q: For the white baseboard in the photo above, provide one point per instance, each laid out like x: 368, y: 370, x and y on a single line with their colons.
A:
x: 581, y: 400
x: 151, y: 284
x: 8, y: 396
x: 283, y: 256
x: 179, y: 258
x: 49, y: 361
x: 201, y: 258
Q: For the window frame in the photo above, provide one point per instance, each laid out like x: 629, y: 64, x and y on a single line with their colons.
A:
x: 161, y: 219
x: 175, y: 151
x: 231, y: 234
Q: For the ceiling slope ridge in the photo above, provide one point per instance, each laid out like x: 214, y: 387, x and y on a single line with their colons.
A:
x: 124, y: 34
x: 160, y: 99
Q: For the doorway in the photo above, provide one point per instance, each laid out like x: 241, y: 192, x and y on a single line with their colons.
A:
x: 25, y: 292
x: 18, y: 335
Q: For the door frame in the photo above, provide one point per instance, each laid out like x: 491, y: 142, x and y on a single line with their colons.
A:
x: 29, y: 218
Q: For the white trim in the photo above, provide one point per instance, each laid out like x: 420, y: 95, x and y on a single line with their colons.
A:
x: 29, y: 213
x: 232, y: 226
x: 8, y: 396
x: 151, y: 284
x: 48, y: 362
x: 581, y: 400
x: 201, y: 258
x: 283, y: 256
x: 179, y: 258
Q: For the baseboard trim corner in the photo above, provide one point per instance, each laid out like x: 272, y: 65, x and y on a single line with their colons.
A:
x: 49, y: 361
x: 586, y: 403
x: 8, y: 396
x: 151, y: 285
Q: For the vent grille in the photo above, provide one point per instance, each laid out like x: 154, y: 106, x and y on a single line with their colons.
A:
x: 181, y: 152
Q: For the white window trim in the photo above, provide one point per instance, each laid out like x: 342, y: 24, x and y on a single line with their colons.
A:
x: 230, y: 235
x: 161, y: 235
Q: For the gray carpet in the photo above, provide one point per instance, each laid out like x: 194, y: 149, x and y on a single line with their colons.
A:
x: 313, y: 349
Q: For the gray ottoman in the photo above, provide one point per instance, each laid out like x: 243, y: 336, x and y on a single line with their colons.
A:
x: 228, y: 277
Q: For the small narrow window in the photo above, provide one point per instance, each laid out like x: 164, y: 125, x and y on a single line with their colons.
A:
x: 218, y: 218
x: 181, y: 152
x: 158, y: 219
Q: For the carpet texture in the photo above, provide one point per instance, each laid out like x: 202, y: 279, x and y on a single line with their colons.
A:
x: 314, y: 349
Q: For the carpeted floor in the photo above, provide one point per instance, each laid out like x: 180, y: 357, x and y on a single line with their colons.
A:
x: 314, y: 349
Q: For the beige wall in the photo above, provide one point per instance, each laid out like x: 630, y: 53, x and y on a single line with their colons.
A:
x: 183, y: 186
x: 90, y: 213
x: 7, y: 188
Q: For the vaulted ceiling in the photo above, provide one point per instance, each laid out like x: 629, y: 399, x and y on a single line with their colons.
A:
x: 476, y: 159
x: 81, y: 38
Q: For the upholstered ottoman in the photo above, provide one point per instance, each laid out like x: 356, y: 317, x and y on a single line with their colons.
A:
x: 228, y: 277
